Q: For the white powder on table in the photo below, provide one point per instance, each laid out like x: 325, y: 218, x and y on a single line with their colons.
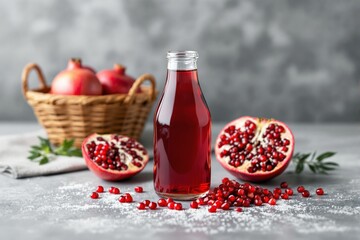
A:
x: 106, y: 215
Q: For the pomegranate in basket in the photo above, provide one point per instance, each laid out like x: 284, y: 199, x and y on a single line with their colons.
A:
x: 76, y: 80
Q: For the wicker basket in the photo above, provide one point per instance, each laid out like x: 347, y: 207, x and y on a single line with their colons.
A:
x: 76, y: 117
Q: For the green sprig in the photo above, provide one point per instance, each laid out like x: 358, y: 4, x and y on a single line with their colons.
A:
x: 41, y: 153
x: 316, y: 164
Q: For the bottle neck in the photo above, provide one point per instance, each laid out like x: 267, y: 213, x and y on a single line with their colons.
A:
x: 182, y: 60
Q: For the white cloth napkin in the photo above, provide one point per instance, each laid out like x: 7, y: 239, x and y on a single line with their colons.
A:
x: 14, y: 163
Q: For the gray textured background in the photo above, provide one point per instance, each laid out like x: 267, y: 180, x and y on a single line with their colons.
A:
x: 293, y: 60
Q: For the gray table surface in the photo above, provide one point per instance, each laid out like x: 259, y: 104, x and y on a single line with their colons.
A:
x: 59, y: 207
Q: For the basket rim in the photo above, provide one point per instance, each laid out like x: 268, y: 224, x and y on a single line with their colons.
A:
x: 41, y: 94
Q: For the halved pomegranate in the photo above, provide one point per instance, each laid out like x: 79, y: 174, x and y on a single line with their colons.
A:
x: 114, y: 157
x: 255, y: 149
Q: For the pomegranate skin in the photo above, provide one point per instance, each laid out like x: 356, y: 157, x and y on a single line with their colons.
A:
x: 108, y: 174
x: 258, y: 176
x: 76, y: 80
x: 115, y: 81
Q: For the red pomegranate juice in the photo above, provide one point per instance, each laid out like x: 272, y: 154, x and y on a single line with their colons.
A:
x: 182, y: 133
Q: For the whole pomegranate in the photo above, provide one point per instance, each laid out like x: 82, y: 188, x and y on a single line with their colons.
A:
x: 115, y: 81
x: 114, y: 157
x: 255, y: 149
x: 76, y: 80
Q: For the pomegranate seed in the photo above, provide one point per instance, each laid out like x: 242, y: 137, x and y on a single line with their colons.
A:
x: 265, y: 199
x: 100, y: 189
x: 300, y: 189
x: 284, y: 185
x: 319, y: 191
x: 285, y: 196
x: 194, y: 204
x: 138, y: 189
x: 258, y: 202
x: 225, y: 206
x: 272, y: 201
x: 251, y: 189
x: 94, y: 195
x: 231, y: 198
x: 246, y: 203
x: 305, y: 193
x: 266, y: 191
x: 128, y: 198
x: 289, y: 192
x: 277, y: 191
x: 276, y: 196
x: 241, y: 192
x: 238, y: 209
x: 122, y: 199
x: 225, y: 180
x: 152, y: 205
x: 141, y: 206
x: 178, y: 206
x: 171, y: 205
x: 212, y: 209
x: 162, y: 202
x: 115, y: 190
x: 146, y: 202
x: 169, y: 200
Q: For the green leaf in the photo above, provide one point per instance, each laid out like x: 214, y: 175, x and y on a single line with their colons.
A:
x: 75, y: 152
x: 299, y: 167
x: 327, y: 168
x: 312, y: 168
x: 325, y: 155
x: 44, y: 160
x: 331, y: 163
x: 32, y: 157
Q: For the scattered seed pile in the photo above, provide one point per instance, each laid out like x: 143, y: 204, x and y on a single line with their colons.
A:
x: 106, y: 215
x: 228, y: 194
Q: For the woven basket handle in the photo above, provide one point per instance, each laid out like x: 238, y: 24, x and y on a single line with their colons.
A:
x: 136, y: 85
x: 25, y: 77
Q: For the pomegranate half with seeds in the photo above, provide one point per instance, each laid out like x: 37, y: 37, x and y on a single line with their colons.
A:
x: 255, y: 149
x: 114, y: 157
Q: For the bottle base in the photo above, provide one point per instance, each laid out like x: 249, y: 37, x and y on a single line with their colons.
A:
x: 181, y: 196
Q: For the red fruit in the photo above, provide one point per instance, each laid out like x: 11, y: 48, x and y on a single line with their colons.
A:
x: 300, y: 189
x: 114, y: 157
x: 169, y: 200
x: 320, y: 191
x: 305, y: 193
x: 138, y: 189
x: 277, y: 191
x: 171, y: 205
x: 285, y: 196
x: 122, y: 199
x: 141, y: 206
x: 100, y: 189
x: 284, y: 185
x: 94, y: 195
x: 212, y: 209
x: 238, y: 209
x: 178, y: 206
x: 114, y: 190
x: 128, y: 198
x: 258, y: 202
x: 76, y: 80
x: 225, y: 206
x: 289, y: 192
x: 194, y: 204
x: 115, y: 81
x: 152, y: 205
x: 162, y: 202
x: 146, y: 202
x: 272, y: 201
x: 252, y: 148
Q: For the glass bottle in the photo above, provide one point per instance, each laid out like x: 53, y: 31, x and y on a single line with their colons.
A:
x: 182, y: 132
